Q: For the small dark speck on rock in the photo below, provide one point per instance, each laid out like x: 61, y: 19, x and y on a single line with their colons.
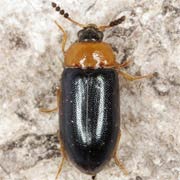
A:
x: 22, y: 115
x: 138, y: 178
x: 169, y: 8
x: 115, y: 49
x: 155, y: 74
x: 93, y: 177
x: 34, y: 142
x: 16, y: 41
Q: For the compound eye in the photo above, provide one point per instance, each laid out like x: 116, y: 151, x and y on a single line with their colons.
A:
x: 100, y: 35
x: 80, y: 33
x: 95, y: 37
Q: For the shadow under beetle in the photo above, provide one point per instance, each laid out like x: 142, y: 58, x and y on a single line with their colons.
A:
x: 88, y: 99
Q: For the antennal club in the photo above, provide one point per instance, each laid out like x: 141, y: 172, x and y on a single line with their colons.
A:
x: 113, y: 23
x: 65, y: 14
x: 117, y: 21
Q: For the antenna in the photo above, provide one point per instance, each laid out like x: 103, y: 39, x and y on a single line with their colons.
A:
x: 65, y: 14
x: 112, y: 23
x: 101, y: 28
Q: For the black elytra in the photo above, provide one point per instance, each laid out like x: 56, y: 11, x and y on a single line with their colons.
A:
x: 89, y: 116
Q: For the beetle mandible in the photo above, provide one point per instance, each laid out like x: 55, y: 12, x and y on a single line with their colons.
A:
x: 88, y: 99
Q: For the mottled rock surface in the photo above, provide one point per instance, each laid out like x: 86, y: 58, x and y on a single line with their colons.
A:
x: 30, y: 70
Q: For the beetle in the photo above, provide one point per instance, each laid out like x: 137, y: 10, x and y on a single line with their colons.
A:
x: 88, y: 99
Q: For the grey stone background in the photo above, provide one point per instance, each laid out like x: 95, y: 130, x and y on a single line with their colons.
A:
x: 30, y: 71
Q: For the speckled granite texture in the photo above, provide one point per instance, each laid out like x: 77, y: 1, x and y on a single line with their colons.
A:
x: 30, y: 71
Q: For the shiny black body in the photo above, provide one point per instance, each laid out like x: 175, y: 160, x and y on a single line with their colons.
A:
x: 89, y: 116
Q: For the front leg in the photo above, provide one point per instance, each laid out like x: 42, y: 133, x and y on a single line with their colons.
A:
x: 64, y: 36
x: 128, y: 76
x: 124, y: 64
x: 132, y: 78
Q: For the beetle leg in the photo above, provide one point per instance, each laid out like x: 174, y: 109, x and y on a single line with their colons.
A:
x: 120, y: 165
x: 58, y: 94
x: 64, y: 36
x: 61, y: 145
x: 60, y: 167
x: 132, y: 78
x: 117, y: 161
x: 124, y: 64
x: 63, y: 157
x: 49, y: 110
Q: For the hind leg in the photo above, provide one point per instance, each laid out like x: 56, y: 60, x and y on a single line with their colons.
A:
x: 60, y: 168
x: 117, y: 161
x: 62, y: 151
